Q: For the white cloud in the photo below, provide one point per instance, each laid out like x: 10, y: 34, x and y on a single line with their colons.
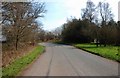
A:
x: 50, y: 25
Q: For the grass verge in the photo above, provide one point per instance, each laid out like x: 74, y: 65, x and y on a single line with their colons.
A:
x: 110, y: 52
x: 14, y: 68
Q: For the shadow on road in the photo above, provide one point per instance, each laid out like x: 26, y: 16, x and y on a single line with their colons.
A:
x: 50, y: 44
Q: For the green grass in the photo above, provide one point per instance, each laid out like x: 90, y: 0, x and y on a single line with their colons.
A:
x: 0, y: 72
x: 110, y: 52
x: 19, y: 64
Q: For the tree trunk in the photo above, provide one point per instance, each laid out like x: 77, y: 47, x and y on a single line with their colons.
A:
x: 97, y: 42
x: 16, y: 43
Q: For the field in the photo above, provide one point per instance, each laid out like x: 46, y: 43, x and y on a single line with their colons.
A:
x: 14, y: 68
x: 111, y: 52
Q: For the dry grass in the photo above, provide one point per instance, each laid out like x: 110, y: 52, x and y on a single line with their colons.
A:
x: 8, y: 56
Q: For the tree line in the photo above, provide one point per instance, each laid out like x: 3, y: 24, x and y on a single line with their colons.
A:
x: 96, y: 25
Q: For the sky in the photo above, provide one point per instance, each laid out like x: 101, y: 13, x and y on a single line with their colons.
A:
x: 58, y: 11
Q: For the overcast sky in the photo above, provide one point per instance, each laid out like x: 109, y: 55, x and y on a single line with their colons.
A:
x: 59, y: 10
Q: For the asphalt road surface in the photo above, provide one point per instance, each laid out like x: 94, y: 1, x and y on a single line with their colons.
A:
x: 65, y: 60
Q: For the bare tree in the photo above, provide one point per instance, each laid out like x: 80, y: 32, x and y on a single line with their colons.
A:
x: 105, y: 12
x: 89, y: 12
x: 19, y: 17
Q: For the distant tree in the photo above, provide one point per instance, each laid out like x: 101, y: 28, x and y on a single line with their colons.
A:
x: 106, y: 16
x: 118, y: 33
x: 108, y: 34
x: 41, y: 34
x: 89, y: 12
x: 105, y: 12
x: 57, y: 33
x: 49, y: 36
x: 75, y: 31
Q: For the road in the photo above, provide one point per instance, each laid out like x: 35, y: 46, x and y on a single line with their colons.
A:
x: 65, y: 60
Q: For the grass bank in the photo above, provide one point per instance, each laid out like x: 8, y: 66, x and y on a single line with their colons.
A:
x: 111, y: 52
x: 14, y: 68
